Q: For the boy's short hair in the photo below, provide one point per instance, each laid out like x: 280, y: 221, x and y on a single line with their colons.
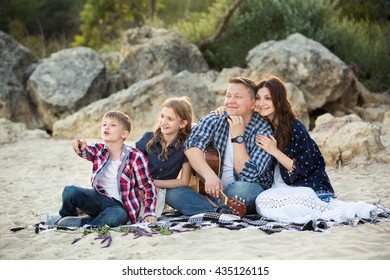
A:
x: 121, y: 117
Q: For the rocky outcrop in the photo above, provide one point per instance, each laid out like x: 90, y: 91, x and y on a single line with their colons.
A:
x: 67, y: 81
x: 148, y: 52
x: 12, y: 131
x: 342, y: 139
x: 69, y: 92
x: 141, y: 102
x: 322, y: 77
x: 17, y: 64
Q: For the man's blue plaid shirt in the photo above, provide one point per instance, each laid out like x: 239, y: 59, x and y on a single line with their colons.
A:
x: 215, y: 129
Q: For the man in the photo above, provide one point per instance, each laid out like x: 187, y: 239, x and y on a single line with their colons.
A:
x: 245, y: 168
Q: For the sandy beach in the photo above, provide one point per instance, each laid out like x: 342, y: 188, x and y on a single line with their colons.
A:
x: 34, y: 172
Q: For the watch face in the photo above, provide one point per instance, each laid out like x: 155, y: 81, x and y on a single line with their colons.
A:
x: 238, y: 139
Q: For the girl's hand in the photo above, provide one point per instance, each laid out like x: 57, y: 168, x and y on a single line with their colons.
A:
x: 267, y: 144
x: 219, y: 111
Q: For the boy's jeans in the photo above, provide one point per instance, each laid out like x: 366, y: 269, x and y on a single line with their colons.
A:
x: 102, y: 209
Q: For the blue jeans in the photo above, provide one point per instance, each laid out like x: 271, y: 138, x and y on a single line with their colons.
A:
x: 103, y: 210
x: 189, y: 202
x: 246, y: 191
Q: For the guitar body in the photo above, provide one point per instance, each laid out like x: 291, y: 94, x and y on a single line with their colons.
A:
x: 213, y: 159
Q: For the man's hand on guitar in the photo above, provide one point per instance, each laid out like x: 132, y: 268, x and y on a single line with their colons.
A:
x: 213, y: 185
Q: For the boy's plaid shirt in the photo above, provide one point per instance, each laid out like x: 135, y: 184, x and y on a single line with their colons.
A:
x: 133, y: 176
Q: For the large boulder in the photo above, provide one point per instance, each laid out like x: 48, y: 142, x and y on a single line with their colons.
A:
x: 13, y: 131
x: 67, y: 81
x: 344, y: 138
x: 148, y: 52
x: 323, y: 78
x: 141, y: 102
x: 17, y: 64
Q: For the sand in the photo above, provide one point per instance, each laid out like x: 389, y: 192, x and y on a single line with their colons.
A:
x: 34, y: 172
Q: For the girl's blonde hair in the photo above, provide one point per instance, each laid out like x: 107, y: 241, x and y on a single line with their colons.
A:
x: 183, y: 109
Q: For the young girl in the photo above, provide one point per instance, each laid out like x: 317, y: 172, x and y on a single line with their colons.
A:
x: 164, y: 147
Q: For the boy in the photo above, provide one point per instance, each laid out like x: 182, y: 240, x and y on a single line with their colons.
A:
x: 120, y: 172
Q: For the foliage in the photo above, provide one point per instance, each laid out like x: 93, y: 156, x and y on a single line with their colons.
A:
x: 44, y: 26
x: 103, y: 20
x: 170, y: 11
x: 369, y: 10
x: 364, y: 46
x: 198, y: 25
x: 44, y: 17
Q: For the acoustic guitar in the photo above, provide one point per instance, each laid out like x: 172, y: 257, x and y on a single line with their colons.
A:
x: 213, y: 159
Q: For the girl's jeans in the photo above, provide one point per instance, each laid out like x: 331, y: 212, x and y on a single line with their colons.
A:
x: 189, y: 202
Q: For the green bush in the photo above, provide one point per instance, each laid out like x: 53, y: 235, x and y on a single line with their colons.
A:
x: 198, y: 25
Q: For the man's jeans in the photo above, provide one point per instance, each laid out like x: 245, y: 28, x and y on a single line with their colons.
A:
x: 189, y: 202
x: 102, y: 209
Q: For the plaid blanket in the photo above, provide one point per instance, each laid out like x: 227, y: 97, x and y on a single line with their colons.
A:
x: 173, y: 222
x: 233, y: 222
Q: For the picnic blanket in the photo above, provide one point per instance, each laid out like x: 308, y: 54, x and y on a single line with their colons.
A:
x: 173, y: 222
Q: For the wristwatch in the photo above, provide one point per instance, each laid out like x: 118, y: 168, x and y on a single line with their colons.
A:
x: 239, y: 139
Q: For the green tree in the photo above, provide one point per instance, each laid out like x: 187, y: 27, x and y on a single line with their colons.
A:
x: 102, y: 21
x: 46, y: 18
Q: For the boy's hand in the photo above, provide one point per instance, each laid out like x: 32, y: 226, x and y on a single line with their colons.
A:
x: 79, y: 145
x: 150, y: 219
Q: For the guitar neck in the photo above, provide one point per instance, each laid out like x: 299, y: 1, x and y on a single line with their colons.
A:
x: 223, y: 197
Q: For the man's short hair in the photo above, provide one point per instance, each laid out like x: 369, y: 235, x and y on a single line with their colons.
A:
x: 248, y: 83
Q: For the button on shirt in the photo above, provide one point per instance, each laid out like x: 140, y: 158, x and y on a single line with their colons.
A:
x: 160, y: 167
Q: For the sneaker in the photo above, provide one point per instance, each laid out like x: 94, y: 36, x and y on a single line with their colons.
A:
x: 51, y: 219
x: 74, y: 221
x: 225, y: 210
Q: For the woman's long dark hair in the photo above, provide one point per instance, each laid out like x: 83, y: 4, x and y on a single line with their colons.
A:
x: 183, y: 109
x: 284, y: 115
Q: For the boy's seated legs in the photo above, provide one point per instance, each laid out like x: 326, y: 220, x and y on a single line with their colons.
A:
x: 247, y: 191
x: 102, y: 210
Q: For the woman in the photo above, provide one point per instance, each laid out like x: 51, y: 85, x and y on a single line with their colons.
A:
x: 164, y: 147
x: 301, y: 190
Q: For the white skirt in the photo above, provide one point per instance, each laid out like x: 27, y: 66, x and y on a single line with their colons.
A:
x: 301, y: 205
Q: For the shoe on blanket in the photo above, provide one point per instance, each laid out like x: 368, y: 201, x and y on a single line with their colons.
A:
x: 225, y: 210
x: 74, y: 221
x: 51, y: 219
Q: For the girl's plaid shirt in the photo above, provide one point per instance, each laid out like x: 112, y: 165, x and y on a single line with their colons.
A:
x: 133, y: 176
